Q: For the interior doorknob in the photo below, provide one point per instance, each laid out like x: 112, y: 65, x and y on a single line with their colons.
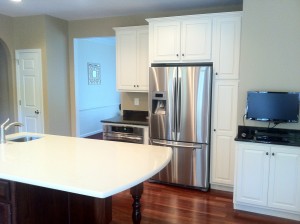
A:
x: 36, y: 112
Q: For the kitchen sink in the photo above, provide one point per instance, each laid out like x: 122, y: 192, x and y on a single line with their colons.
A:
x: 24, y: 139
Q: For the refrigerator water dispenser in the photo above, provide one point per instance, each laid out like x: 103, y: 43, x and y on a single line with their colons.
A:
x: 159, y: 103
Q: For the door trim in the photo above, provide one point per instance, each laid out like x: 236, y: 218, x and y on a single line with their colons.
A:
x: 20, y: 112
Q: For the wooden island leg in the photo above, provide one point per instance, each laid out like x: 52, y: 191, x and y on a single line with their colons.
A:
x: 136, y: 193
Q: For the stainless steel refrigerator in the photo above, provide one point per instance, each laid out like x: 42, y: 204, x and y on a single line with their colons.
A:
x: 179, y: 117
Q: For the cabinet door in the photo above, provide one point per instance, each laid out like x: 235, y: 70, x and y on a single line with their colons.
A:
x: 226, y: 46
x: 224, y: 131
x: 5, y: 213
x: 252, y: 174
x: 166, y: 41
x: 142, y: 60
x: 284, y: 182
x: 196, y: 41
x: 126, y: 60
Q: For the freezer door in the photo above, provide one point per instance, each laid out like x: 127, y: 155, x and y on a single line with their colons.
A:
x: 162, y: 88
x: 189, y: 166
x: 194, y: 104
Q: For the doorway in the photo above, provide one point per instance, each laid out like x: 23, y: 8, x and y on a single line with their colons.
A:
x: 95, y: 83
x: 5, y: 104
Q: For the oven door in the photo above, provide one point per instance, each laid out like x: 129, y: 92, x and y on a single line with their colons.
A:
x: 122, y: 137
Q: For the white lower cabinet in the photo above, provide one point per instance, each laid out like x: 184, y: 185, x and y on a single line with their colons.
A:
x: 267, y: 179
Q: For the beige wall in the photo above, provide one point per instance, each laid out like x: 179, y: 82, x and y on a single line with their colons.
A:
x: 50, y: 35
x: 57, y: 76
x: 127, y: 101
x: 6, y: 39
x: 270, y: 47
x: 104, y: 27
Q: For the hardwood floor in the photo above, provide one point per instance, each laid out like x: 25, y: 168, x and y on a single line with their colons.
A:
x: 162, y: 204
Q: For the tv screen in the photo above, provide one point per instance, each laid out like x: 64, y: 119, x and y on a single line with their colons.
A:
x: 277, y: 107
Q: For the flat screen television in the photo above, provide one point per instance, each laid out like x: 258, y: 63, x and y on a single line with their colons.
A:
x: 277, y: 107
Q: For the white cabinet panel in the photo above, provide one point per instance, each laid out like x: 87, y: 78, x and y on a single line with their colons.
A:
x: 252, y: 174
x: 132, y: 58
x: 181, y: 39
x: 285, y: 178
x: 223, y: 160
x: 196, y: 39
x: 126, y: 59
x: 226, y: 46
x: 268, y: 179
x: 166, y: 42
x: 142, y: 78
x: 224, y: 131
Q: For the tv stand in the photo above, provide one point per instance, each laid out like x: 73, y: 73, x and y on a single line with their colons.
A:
x: 268, y: 135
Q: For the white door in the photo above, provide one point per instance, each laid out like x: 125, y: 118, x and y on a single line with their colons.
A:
x: 30, y: 92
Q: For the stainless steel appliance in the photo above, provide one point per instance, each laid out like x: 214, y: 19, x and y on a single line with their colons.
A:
x: 179, y: 114
x: 123, y: 133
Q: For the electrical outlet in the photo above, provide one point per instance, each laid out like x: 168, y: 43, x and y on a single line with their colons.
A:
x: 136, y: 101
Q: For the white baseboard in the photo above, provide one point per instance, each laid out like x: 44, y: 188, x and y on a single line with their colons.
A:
x: 221, y: 187
x: 90, y: 133
x: 267, y: 211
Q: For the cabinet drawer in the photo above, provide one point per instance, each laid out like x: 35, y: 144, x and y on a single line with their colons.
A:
x: 4, y: 191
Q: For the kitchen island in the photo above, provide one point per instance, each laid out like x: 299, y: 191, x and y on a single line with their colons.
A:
x: 74, y: 178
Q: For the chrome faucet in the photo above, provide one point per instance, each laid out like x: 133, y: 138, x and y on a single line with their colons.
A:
x: 4, y: 128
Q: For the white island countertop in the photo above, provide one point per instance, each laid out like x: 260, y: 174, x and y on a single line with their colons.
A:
x: 89, y: 167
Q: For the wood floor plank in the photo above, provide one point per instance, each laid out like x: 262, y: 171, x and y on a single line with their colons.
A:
x: 163, y: 204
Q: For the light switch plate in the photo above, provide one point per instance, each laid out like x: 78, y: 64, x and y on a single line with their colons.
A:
x: 136, y: 101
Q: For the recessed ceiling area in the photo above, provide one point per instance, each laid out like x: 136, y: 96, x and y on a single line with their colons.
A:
x: 88, y: 9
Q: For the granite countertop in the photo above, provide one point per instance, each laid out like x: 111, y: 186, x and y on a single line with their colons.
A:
x: 275, y: 136
x: 122, y: 120
x: 130, y: 117
x: 84, y: 166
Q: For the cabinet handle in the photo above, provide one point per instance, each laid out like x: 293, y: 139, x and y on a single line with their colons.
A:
x: 267, y: 153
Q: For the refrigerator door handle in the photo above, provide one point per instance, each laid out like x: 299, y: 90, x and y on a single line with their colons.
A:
x: 174, y: 80
x: 194, y: 146
x: 178, y: 105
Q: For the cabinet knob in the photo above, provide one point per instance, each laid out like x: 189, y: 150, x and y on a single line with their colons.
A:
x: 177, y: 55
x: 182, y: 55
x: 216, y: 73
x: 214, y: 129
x: 137, y: 85
x: 273, y: 154
x: 133, y: 85
x: 267, y: 153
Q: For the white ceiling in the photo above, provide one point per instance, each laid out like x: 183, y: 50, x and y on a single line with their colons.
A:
x: 87, y: 9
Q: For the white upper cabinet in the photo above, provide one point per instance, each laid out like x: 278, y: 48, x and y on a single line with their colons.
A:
x: 180, y: 39
x: 132, y: 58
x: 226, y: 45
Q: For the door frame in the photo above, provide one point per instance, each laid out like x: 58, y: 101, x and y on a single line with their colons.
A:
x: 19, y: 107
